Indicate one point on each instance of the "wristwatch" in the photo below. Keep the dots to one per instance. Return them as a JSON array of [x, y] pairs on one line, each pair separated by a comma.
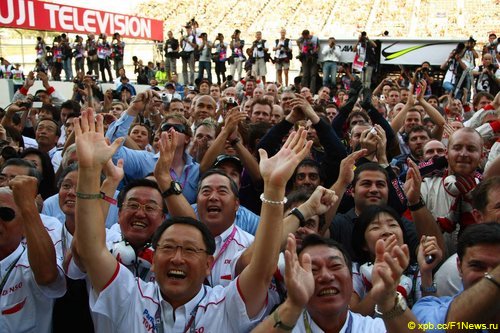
[[398, 309], [175, 188], [279, 324], [295, 211], [429, 290]]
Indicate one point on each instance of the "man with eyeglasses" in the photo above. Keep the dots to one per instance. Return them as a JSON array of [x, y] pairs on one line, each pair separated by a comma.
[[179, 301], [138, 164], [30, 276]]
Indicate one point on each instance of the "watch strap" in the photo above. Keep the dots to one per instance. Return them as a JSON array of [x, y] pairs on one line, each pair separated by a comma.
[[279, 324], [417, 206], [295, 211], [173, 189]]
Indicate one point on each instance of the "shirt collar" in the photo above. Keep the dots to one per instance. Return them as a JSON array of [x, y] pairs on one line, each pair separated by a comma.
[[183, 311], [222, 237]]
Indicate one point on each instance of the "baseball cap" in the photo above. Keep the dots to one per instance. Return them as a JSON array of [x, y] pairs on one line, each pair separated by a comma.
[[228, 158]]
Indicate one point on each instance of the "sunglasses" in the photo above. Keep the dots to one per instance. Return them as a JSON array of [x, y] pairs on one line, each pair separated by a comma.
[[179, 128], [7, 214]]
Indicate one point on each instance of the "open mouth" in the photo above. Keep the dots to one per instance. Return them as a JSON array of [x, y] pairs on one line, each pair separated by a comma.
[[328, 292], [139, 225], [176, 274], [213, 209]]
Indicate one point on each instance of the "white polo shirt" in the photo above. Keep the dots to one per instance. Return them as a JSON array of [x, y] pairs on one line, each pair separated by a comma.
[[354, 323], [25, 306], [136, 306], [227, 246]]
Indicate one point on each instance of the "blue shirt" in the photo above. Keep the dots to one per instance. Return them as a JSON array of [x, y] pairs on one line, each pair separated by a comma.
[[245, 219], [433, 310], [140, 163]]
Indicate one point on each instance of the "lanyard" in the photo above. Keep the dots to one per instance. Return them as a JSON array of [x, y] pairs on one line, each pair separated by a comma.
[[174, 176], [228, 240], [308, 326], [189, 326], [9, 270]]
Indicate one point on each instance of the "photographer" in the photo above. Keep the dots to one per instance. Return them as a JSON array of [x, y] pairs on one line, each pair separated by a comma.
[[79, 54], [259, 53], [424, 73], [67, 56], [92, 60], [309, 48], [40, 49], [205, 63], [171, 54], [331, 56], [220, 57], [237, 57], [454, 67], [365, 54], [117, 52], [487, 76], [188, 43], [282, 57], [103, 53], [492, 46]]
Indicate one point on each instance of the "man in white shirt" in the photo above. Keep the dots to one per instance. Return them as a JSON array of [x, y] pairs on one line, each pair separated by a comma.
[[331, 56], [31, 278], [178, 301]]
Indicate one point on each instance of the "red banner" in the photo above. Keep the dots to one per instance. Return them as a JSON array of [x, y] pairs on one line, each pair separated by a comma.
[[38, 15]]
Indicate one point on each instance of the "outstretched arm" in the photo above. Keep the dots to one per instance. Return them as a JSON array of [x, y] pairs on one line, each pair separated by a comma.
[[41, 252], [93, 152], [276, 171]]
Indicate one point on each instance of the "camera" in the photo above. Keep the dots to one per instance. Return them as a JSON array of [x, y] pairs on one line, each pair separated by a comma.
[[166, 97], [231, 102]]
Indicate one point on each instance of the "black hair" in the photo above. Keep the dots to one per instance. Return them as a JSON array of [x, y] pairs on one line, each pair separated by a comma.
[[480, 193], [215, 171], [208, 239], [141, 182], [72, 105], [370, 166], [16, 161], [310, 163], [54, 111], [368, 215], [478, 234], [58, 127], [313, 240], [419, 128], [47, 186], [65, 172]]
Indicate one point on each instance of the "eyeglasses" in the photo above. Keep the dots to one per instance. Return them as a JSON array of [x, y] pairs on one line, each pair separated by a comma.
[[148, 208], [186, 251], [179, 128], [7, 214]]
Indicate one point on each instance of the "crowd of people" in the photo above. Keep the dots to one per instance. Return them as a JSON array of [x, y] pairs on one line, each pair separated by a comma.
[[233, 204]]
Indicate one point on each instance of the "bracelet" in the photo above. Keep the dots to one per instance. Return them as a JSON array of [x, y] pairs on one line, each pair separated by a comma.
[[271, 202], [100, 195], [490, 278], [417, 206], [429, 290]]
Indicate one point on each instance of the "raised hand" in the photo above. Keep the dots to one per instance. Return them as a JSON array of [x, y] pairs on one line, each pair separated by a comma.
[[320, 201], [428, 247], [278, 169], [413, 182], [347, 165], [300, 103], [166, 147], [387, 271], [24, 190], [113, 172], [92, 149], [298, 275]]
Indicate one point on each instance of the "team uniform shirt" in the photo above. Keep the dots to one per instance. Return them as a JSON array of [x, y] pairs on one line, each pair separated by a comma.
[[354, 323], [25, 306], [447, 278], [227, 246], [136, 306], [245, 219]]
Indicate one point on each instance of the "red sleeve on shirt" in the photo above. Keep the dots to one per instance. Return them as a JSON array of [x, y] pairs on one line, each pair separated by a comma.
[[50, 90], [113, 276]]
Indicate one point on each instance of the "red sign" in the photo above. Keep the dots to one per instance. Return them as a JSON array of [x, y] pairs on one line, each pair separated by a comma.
[[38, 15]]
